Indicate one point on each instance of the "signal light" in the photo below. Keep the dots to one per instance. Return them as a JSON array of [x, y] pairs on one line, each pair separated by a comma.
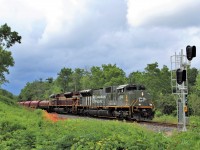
[[185, 108], [180, 76], [186, 100], [191, 52]]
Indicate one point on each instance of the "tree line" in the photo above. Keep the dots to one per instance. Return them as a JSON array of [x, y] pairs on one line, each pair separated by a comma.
[[156, 80]]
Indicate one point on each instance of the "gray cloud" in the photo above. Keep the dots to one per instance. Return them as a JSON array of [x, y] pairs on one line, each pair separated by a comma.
[[98, 36], [184, 17]]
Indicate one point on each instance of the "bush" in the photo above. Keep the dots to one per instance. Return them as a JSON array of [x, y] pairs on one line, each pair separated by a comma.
[[158, 113]]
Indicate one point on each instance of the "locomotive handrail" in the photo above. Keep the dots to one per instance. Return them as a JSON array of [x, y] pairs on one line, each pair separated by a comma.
[[134, 102]]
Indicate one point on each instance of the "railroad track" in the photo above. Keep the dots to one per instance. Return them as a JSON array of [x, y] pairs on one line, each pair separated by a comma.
[[166, 128], [153, 123]]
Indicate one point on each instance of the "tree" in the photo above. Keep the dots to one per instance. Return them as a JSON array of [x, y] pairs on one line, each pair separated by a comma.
[[7, 39], [194, 103], [86, 80], [192, 74], [152, 79], [6, 61], [76, 77], [38, 89], [197, 84], [106, 75], [64, 78], [97, 77], [113, 75], [50, 80], [167, 104], [136, 78], [165, 80]]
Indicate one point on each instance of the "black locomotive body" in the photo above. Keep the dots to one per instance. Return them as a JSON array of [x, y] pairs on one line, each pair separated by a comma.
[[123, 102]]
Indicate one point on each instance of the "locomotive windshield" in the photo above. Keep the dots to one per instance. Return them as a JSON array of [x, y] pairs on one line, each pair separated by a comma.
[[131, 87]]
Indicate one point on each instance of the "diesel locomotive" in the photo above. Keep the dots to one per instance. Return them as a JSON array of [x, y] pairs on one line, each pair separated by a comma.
[[127, 101]]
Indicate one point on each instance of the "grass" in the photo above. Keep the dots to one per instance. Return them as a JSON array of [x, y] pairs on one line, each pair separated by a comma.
[[166, 119], [29, 129]]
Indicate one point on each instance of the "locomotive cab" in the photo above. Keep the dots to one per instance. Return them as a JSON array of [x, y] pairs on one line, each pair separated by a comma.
[[137, 99]]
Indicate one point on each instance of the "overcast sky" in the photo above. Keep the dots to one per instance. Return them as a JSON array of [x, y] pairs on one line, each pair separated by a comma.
[[85, 33]]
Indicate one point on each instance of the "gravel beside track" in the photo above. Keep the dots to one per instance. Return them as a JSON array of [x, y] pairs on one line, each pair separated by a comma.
[[165, 128], [67, 116]]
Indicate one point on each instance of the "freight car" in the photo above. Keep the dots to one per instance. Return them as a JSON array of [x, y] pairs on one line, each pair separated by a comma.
[[127, 101]]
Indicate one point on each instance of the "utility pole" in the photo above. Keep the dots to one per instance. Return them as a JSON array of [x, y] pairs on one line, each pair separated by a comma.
[[179, 82]]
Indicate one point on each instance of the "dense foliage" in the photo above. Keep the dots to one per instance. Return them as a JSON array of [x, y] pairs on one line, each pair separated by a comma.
[[73, 80], [22, 128]]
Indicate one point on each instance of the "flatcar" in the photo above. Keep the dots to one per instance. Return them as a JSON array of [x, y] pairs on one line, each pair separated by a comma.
[[127, 101]]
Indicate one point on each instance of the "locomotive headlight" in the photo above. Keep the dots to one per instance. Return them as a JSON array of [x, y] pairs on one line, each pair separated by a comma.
[[139, 104], [150, 104], [142, 94]]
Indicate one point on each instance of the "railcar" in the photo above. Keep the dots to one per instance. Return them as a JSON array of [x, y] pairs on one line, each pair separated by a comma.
[[127, 101]]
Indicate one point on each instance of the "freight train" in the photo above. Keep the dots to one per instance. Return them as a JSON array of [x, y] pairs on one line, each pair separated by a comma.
[[128, 101]]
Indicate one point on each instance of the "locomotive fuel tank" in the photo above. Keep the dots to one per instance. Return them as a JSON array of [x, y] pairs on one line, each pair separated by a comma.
[[100, 113], [59, 110]]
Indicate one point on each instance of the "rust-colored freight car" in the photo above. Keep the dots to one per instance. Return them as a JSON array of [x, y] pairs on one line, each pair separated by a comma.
[[21, 103], [34, 104], [44, 104], [27, 103]]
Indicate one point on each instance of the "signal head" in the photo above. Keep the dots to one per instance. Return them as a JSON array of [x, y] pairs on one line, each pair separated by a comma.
[[180, 76], [190, 52]]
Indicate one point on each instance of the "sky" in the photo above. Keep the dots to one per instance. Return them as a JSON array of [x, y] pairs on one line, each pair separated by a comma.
[[85, 33]]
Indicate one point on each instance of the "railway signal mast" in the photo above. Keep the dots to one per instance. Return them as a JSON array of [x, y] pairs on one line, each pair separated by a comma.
[[179, 82]]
